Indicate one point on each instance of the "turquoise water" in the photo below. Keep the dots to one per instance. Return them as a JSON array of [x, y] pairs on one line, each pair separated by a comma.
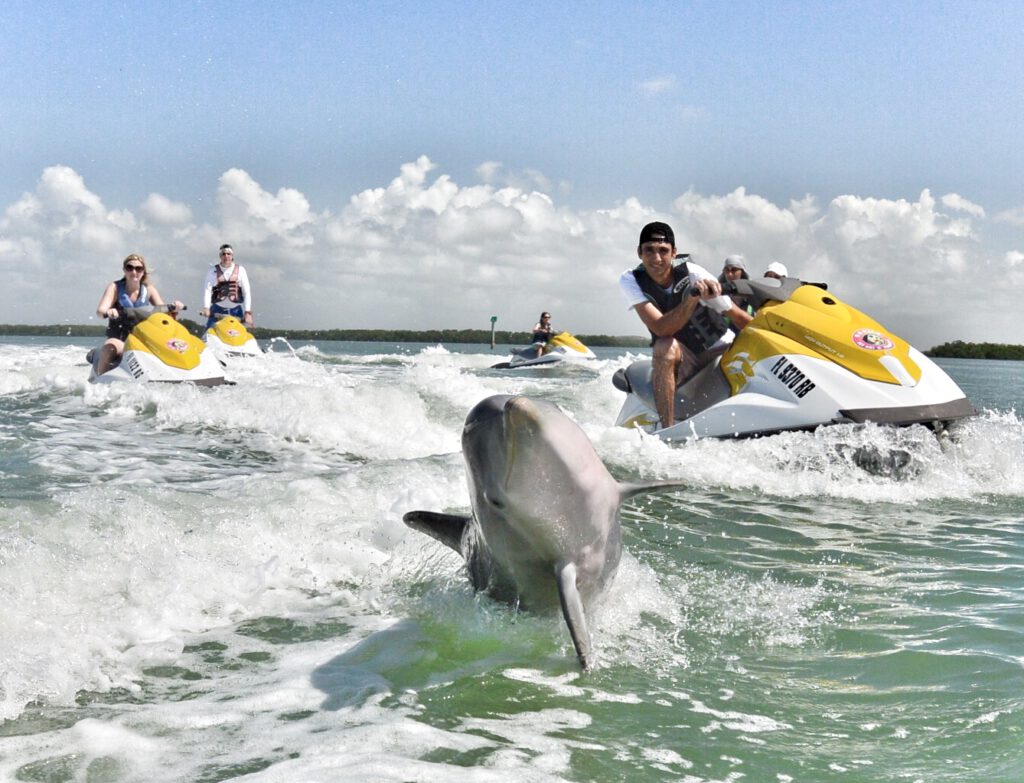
[[215, 584]]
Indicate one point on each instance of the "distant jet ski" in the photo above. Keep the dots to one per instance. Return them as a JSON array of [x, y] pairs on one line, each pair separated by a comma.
[[228, 338], [806, 359], [559, 348], [159, 349]]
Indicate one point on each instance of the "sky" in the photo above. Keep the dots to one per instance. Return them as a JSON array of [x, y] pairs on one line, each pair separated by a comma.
[[430, 165]]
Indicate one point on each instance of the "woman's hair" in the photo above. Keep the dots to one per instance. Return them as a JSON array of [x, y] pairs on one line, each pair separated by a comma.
[[139, 258]]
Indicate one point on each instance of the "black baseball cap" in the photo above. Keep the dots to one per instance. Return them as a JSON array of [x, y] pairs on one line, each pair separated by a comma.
[[657, 232]]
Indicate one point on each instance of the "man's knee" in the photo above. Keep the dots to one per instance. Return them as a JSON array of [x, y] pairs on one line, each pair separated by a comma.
[[667, 349]]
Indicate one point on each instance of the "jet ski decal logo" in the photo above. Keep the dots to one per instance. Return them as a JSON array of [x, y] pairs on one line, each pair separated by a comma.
[[871, 340], [233, 333], [178, 345], [824, 347], [741, 369], [792, 377]]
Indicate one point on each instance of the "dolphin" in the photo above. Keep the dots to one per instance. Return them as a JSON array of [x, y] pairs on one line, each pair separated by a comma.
[[545, 528]]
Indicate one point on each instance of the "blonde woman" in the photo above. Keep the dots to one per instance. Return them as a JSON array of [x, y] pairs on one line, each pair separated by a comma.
[[132, 290]]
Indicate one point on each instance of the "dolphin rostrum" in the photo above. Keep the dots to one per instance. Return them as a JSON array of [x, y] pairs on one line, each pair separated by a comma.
[[545, 526]]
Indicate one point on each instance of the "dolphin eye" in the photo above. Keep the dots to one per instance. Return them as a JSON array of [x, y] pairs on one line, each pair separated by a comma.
[[497, 503]]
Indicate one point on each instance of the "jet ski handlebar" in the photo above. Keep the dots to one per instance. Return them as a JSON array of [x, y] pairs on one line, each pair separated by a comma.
[[137, 314], [743, 287]]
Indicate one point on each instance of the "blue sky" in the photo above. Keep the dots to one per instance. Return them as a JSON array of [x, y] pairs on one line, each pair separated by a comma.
[[612, 111]]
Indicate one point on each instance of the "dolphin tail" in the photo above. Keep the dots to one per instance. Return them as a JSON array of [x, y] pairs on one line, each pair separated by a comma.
[[572, 611], [446, 528], [632, 489]]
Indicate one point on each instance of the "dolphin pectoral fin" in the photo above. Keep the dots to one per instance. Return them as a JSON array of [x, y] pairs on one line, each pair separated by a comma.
[[446, 528], [572, 610], [632, 489]]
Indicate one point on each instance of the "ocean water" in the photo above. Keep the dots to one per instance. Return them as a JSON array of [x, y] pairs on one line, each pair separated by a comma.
[[216, 584]]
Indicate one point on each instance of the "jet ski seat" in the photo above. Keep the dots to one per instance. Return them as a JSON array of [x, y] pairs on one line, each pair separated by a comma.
[[704, 389]]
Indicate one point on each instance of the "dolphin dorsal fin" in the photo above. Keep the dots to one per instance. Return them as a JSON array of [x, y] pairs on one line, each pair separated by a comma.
[[446, 528]]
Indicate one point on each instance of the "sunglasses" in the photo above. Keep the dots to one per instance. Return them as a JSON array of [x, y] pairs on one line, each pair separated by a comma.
[[132, 268]]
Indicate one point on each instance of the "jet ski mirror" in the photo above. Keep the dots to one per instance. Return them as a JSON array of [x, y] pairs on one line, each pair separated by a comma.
[[760, 290]]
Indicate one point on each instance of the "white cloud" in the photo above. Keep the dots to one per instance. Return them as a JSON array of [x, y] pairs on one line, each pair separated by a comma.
[[737, 215], [658, 85], [161, 209], [494, 173], [63, 190], [54, 234], [1014, 217], [247, 211], [405, 191], [691, 113], [957, 202], [488, 171], [426, 252], [900, 256]]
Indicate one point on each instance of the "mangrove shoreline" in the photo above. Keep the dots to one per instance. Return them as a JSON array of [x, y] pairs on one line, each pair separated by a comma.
[[344, 335], [957, 349]]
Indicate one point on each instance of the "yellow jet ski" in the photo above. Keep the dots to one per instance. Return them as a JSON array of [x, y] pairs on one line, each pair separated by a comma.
[[159, 349], [559, 348], [806, 359], [228, 338]]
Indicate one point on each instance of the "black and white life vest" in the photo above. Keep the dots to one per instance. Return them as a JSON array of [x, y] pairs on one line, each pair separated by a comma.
[[705, 326]]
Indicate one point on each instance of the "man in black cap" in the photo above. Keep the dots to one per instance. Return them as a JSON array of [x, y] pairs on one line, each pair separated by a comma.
[[687, 332]]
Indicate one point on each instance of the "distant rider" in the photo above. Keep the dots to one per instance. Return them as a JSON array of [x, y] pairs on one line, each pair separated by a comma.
[[227, 290], [132, 290], [687, 332], [542, 332]]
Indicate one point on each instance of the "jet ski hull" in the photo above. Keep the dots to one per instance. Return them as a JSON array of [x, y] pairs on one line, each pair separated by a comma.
[[561, 347], [161, 350], [228, 339]]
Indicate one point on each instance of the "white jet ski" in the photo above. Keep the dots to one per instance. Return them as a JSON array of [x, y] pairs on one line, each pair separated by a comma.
[[228, 338], [159, 349], [559, 348], [805, 360]]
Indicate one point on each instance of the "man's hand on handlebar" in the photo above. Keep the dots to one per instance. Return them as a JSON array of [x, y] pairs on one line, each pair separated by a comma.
[[707, 288]]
